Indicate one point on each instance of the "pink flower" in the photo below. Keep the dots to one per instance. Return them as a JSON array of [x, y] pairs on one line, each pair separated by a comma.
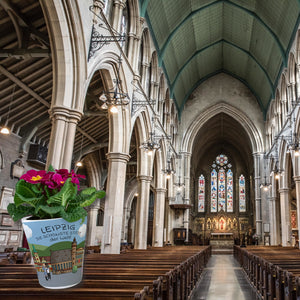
[[33, 176]]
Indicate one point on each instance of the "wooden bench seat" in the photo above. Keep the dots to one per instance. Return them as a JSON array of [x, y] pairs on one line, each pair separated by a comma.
[[274, 271], [135, 274]]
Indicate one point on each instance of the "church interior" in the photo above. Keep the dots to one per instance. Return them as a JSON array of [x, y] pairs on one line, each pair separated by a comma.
[[186, 113]]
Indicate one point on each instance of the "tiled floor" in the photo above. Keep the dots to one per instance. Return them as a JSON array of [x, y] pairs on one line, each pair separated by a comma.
[[223, 279]]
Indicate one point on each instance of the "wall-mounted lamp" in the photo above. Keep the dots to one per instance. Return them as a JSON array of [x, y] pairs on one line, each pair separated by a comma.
[[169, 171]]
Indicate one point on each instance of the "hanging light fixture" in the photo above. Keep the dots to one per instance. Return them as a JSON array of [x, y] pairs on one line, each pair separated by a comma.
[[116, 96], [265, 185], [5, 129], [169, 170], [151, 144], [294, 145], [79, 162], [180, 185]]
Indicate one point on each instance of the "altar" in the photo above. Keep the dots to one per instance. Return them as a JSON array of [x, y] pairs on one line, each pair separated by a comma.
[[221, 240]]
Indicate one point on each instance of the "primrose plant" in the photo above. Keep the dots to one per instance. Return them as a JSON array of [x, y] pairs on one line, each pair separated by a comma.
[[52, 194]]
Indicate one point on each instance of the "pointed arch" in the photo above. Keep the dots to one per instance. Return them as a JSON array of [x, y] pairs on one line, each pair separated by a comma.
[[251, 130]]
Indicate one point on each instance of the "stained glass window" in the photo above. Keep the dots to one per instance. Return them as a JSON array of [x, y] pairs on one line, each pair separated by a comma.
[[242, 195], [221, 190], [229, 191], [213, 193], [201, 194], [221, 196]]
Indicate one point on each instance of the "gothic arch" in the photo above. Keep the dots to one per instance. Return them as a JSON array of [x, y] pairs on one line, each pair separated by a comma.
[[120, 122], [253, 133], [68, 53]]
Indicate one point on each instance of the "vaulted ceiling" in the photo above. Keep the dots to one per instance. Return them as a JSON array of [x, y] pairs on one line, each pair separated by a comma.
[[248, 39]]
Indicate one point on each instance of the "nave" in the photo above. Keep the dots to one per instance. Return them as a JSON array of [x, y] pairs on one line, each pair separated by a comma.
[[223, 279]]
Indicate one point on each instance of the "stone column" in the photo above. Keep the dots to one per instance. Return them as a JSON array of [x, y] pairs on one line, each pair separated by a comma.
[[132, 228], [186, 165], [114, 202], [285, 216], [297, 182], [298, 80], [142, 208], [132, 45], [158, 218], [60, 150], [169, 211], [145, 67], [117, 14], [92, 220], [125, 225], [274, 225], [258, 220]]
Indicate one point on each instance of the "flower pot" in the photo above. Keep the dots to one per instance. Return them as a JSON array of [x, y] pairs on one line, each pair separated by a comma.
[[57, 248]]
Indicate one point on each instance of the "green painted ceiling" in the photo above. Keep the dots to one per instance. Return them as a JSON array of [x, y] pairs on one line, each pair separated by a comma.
[[248, 39]]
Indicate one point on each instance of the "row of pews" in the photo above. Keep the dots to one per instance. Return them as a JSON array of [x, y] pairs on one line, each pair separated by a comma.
[[157, 273], [274, 271]]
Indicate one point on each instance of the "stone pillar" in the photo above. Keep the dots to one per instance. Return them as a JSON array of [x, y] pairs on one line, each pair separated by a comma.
[[142, 208], [169, 211], [258, 220], [274, 226], [186, 165], [125, 225], [60, 150], [114, 202], [132, 228], [92, 220], [158, 219], [132, 45], [297, 182], [285, 216], [283, 109], [145, 67], [298, 80], [117, 14]]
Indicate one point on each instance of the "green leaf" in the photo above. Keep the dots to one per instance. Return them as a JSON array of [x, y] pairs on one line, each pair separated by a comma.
[[19, 199], [25, 189], [67, 193], [20, 212], [51, 169], [90, 200], [74, 215], [88, 191], [36, 188], [51, 210]]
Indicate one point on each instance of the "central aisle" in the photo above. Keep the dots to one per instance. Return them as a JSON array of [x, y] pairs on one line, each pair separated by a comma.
[[223, 279]]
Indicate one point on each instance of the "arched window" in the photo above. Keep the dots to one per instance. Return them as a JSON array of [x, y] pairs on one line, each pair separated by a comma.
[[242, 194], [201, 194], [229, 191], [213, 191], [221, 196]]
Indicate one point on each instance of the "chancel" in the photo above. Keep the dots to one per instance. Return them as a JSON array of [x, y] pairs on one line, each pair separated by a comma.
[[187, 114]]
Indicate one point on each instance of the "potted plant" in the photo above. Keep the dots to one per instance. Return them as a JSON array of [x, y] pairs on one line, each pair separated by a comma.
[[52, 208]]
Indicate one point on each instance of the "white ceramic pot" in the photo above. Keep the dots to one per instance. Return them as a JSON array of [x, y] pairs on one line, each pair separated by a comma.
[[57, 248]]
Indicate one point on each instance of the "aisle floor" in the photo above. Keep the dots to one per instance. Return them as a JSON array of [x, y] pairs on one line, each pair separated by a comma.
[[224, 279]]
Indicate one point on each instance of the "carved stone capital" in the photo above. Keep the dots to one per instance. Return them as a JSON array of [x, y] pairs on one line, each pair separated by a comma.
[[66, 114], [144, 178], [118, 156], [160, 190]]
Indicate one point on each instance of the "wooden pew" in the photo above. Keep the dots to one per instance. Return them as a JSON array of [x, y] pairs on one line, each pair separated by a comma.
[[274, 271], [159, 273]]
